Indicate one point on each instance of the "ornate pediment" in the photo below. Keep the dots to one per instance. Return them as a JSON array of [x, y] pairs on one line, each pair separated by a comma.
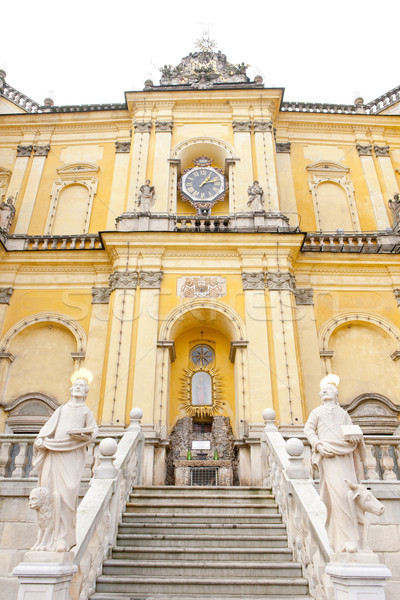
[[78, 170], [374, 413], [327, 168]]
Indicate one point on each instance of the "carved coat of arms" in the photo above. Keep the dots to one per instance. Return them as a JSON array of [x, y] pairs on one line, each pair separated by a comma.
[[202, 287]]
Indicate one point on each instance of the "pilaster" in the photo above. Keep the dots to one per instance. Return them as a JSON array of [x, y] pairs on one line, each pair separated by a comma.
[[140, 151], [161, 167], [23, 154], [119, 182], [243, 169], [266, 167], [286, 188], [385, 164], [371, 179], [29, 199]]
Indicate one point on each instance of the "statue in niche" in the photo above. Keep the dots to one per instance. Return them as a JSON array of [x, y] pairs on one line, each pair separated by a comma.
[[338, 450], [7, 213], [256, 197], [146, 197], [59, 457], [394, 206]]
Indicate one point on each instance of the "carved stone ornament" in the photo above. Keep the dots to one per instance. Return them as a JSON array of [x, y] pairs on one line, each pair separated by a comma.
[[283, 147], [396, 293], [304, 296], [150, 279], [261, 126], [201, 287], [281, 281], [364, 150], [122, 147], [253, 281], [142, 127], [41, 150], [164, 126], [123, 280], [24, 150], [5, 295], [101, 295], [240, 126], [381, 150]]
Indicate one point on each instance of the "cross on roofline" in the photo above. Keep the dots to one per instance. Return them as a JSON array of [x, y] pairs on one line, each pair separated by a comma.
[[205, 43]]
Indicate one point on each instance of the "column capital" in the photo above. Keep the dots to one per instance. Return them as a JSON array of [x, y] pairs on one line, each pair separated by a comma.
[[24, 150], [150, 279], [101, 295], [281, 281], [364, 150], [283, 147], [5, 295], [142, 126], [304, 296], [240, 126], [381, 150], [123, 280], [396, 293], [261, 126], [253, 281], [122, 147], [41, 150], [164, 126]]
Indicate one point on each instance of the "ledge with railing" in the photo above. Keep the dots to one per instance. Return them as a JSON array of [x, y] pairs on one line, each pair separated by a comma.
[[53, 242], [367, 243]]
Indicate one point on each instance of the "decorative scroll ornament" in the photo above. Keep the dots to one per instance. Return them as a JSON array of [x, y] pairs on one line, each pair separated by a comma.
[[122, 147], [261, 126], [364, 150], [101, 295], [142, 127], [281, 281], [123, 280], [164, 126], [396, 293], [253, 281], [41, 150], [381, 150], [303, 296], [201, 396], [203, 287], [5, 295], [150, 279], [24, 150], [283, 147], [240, 126]]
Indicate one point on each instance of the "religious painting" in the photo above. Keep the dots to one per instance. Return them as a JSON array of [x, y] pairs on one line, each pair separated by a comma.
[[201, 389]]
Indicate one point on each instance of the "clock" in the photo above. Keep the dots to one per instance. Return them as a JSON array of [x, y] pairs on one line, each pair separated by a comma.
[[203, 185]]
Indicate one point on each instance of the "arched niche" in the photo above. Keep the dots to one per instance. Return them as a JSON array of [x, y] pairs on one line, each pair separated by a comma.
[[374, 413], [71, 211], [29, 412]]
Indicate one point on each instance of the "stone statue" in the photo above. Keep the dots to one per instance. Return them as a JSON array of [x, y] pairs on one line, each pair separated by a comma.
[[256, 197], [394, 206], [338, 451], [146, 197], [7, 212], [59, 457]]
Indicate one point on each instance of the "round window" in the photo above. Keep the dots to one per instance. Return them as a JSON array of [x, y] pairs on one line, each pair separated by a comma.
[[202, 355]]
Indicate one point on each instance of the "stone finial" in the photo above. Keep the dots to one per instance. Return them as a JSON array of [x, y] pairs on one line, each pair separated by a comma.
[[24, 150], [142, 126], [261, 126], [269, 417], [136, 416], [304, 296], [101, 295], [258, 79], [381, 150], [106, 469], [253, 281], [41, 150], [364, 150], [283, 147], [148, 84], [5, 295], [122, 147], [150, 279], [123, 280], [295, 450], [359, 104], [241, 126], [48, 102], [164, 126], [281, 281]]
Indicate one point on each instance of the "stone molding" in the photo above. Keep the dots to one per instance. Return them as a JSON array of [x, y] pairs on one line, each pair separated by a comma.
[[381, 150], [122, 147], [283, 147], [253, 281], [261, 126], [364, 150], [142, 127], [123, 280], [396, 293], [164, 126], [150, 279], [304, 296], [101, 295], [41, 150], [5, 295], [24, 150], [240, 126], [281, 281]]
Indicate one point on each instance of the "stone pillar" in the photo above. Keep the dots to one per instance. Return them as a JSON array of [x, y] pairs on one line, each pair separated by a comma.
[[162, 152], [284, 173], [29, 199], [230, 164], [146, 345], [119, 182], [174, 171], [358, 580], [45, 575], [243, 169], [388, 174], [6, 358], [266, 167], [139, 161], [123, 287], [21, 162], [371, 179], [308, 346], [287, 369], [165, 356], [258, 354]]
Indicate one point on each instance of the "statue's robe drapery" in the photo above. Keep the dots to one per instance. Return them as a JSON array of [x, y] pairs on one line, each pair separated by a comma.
[[61, 460], [325, 425]]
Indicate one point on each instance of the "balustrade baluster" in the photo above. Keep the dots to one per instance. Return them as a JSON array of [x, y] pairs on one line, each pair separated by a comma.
[[370, 463], [4, 458], [35, 245], [387, 464], [20, 461]]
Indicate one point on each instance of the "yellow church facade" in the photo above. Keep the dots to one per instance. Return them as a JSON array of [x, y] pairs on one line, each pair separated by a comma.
[[196, 301]]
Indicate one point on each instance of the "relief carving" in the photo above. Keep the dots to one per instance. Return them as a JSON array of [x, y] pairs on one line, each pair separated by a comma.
[[7, 213], [253, 281], [202, 287], [164, 126], [41, 150], [304, 296], [283, 147], [150, 279], [123, 280], [122, 147], [5, 295], [281, 281], [101, 295], [261, 126], [396, 293], [24, 150], [239, 126], [381, 150], [143, 127], [364, 150]]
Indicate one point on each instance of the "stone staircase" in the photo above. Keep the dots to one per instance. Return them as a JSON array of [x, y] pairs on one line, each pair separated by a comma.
[[213, 543]]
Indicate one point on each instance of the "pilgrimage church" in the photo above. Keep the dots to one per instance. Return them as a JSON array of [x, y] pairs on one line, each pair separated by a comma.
[[208, 250]]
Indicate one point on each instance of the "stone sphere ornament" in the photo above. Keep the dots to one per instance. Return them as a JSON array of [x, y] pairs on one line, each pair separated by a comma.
[[108, 447]]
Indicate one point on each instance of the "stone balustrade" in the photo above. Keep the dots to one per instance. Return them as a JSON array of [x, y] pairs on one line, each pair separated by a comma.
[[54, 242], [20, 99], [189, 224], [337, 242]]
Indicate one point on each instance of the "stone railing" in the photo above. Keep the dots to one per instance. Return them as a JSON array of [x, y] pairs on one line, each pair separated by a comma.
[[19, 99], [336, 242], [302, 509], [54, 242], [189, 224], [101, 509], [318, 107]]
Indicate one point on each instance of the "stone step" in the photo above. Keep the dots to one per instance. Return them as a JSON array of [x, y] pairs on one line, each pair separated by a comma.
[[221, 517], [283, 586], [203, 540], [200, 568], [204, 501], [164, 490], [186, 596], [195, 528], [194, 496], [208, 554], [198, 509]]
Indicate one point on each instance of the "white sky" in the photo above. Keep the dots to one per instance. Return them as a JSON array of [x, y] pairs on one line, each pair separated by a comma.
[[91, 51]]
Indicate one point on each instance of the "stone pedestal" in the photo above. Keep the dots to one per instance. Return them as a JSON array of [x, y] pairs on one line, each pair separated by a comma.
[[45, 575], [358, 577]]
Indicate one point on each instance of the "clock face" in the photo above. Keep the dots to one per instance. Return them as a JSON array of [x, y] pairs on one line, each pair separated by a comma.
[[203, 184]]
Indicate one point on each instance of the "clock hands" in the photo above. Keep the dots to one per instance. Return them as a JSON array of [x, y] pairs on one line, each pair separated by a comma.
[[205, 181]]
